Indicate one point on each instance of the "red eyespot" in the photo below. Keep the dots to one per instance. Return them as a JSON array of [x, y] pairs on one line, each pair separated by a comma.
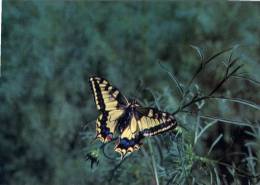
[[109, 137]]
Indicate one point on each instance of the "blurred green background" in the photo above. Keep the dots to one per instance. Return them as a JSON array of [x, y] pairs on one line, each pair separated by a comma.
[[50, 49]]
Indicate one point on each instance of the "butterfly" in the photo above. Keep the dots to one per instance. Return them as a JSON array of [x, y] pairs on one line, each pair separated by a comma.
[[131, 121]]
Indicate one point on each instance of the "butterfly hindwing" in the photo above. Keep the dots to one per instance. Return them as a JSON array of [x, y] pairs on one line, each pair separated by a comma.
[[130, 138], [144, 122]]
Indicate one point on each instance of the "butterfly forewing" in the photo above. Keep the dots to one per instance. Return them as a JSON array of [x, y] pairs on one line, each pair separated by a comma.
[[106, 96]]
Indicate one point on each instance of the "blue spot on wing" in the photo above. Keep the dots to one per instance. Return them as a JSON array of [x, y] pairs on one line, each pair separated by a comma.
[[125, 143], [105, 131]]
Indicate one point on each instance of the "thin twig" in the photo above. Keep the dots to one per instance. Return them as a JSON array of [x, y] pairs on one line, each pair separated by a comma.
[[214, 143], [154, 97], [203, 130], [172, 77], [225, 78], [182, 160], [241, 172], [203, 64], [238, 100], [238, 123], [247, 78], [198, 51]]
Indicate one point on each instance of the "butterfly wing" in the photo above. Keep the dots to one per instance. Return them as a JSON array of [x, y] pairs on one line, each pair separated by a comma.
[[106, 124], [111, 104], [106, 96], [144, 122], [151, 121], [130, 138]]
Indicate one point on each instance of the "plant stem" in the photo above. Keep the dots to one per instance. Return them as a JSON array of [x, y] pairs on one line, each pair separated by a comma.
[[153, 161]]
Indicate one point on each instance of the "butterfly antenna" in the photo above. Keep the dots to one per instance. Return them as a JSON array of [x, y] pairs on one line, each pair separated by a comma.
[[126, 99]]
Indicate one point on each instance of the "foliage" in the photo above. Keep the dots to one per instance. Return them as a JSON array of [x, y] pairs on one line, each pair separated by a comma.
[[47, 112]]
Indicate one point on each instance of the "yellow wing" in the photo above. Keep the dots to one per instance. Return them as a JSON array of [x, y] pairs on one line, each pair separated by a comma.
[[144, 122], [153, 121], [130, 139], [106, 124], [110, 102], [106, 96]]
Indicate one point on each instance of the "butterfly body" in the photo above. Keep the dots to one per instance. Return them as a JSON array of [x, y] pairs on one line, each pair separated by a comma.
[[129, 113], [128, 119]]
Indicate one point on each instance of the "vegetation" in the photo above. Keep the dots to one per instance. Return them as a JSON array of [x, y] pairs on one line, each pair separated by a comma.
[[197, 61]]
